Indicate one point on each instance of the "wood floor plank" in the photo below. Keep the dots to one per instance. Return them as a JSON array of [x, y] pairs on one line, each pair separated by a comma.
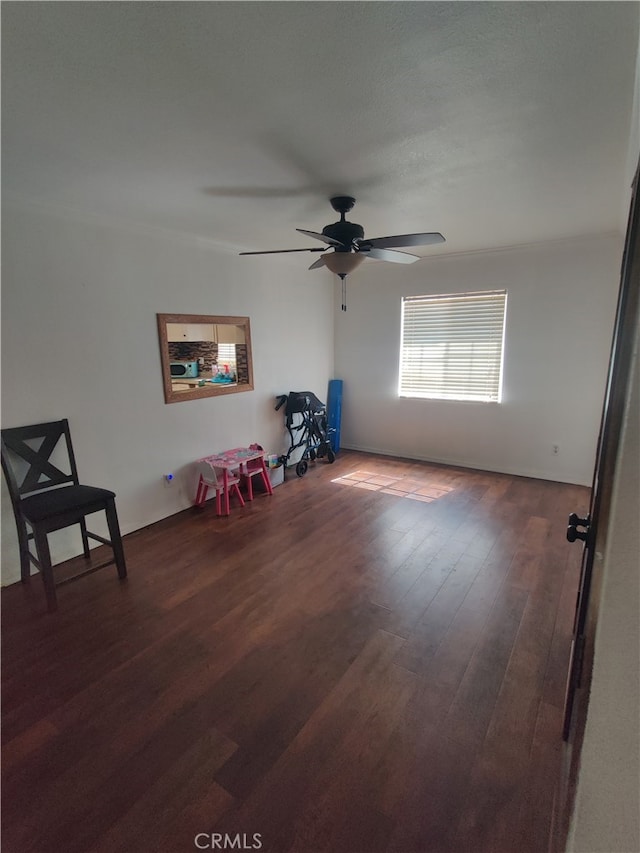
[[452, 576], [456, 648], [473, 707], [337, 742], [436, 786]]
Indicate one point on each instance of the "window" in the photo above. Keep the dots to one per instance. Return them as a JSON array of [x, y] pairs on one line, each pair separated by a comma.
[[227, 357], [451, 346]]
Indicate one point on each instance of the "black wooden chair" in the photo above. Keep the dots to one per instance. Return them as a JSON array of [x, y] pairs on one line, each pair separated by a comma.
[[47, 497]]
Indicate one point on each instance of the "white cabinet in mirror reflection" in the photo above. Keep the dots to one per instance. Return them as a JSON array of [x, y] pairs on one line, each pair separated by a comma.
[[219, 333], [228, 334], [190, 332]]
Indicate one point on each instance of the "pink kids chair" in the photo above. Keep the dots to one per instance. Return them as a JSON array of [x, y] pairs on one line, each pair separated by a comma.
[[213, 478], [255, 468]]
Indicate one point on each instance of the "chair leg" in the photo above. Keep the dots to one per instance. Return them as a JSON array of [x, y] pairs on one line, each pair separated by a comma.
[[85, 539], [267, 483], [235, 488], [23, 544], [265, 478], [201, 493], [249, 481], [46, 570], [116, 538], [225, 491]]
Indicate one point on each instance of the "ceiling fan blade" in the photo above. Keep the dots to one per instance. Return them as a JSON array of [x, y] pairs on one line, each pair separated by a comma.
[[317, 264], [282, 251], [428, 239], [389, 255], [322, 237]]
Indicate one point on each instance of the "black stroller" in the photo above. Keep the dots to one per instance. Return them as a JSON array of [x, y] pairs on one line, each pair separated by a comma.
[[306, 421]]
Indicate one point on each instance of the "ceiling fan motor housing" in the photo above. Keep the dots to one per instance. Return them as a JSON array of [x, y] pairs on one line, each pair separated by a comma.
[[345, 232]]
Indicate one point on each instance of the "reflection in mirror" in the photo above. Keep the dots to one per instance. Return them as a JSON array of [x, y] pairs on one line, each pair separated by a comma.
[[204, 355]]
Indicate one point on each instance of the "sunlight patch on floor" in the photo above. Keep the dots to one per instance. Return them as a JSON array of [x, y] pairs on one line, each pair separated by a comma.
[[401, 487]]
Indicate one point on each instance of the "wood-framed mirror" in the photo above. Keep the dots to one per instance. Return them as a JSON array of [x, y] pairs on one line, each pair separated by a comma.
[[204, 355]]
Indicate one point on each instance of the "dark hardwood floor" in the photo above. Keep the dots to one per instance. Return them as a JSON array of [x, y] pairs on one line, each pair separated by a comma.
[[373, 659]]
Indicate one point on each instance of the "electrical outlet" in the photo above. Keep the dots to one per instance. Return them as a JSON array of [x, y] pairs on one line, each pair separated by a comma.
[[556, 449]]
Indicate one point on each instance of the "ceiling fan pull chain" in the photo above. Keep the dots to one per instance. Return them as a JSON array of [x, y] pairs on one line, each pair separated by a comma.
[[344, 291]]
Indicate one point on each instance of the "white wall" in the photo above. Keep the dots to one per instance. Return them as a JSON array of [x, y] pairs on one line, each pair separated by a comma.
[[561, 308], [79, 340]]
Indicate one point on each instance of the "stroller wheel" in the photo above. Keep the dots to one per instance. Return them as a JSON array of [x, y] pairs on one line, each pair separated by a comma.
[[301, 468], [331, 456]]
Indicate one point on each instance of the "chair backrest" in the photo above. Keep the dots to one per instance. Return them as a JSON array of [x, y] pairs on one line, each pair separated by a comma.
[[254, 466], [210, 475], [27, 458]]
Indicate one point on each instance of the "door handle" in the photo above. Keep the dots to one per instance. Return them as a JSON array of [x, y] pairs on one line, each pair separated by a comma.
[[573, 534], [572, 530], [576, 521]]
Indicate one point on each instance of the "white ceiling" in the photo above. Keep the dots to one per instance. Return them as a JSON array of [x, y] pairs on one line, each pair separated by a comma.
[[494, 123]]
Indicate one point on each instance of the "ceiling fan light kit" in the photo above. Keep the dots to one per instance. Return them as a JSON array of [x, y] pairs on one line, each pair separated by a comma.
[[343, 263], [350, 248]]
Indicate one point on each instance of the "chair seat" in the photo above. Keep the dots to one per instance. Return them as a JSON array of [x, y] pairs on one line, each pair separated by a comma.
[[48, 504]]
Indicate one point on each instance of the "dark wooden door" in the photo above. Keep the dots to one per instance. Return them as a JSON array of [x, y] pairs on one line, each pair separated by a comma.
[[592, 530]]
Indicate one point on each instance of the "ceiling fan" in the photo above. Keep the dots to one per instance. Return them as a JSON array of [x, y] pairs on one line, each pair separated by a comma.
[[350, 247]]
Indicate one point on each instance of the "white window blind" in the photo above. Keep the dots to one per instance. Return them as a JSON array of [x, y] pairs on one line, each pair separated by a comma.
[[227, 355], [451, 346]]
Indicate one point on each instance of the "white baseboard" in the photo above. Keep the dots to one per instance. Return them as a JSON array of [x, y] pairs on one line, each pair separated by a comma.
[[533, 473]]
